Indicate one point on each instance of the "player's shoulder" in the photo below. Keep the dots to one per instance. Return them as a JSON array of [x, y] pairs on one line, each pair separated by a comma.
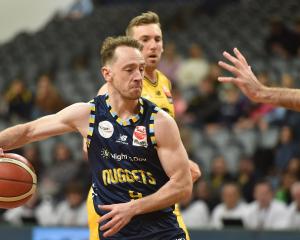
[[163, 118], [161, 76], [163, 79]]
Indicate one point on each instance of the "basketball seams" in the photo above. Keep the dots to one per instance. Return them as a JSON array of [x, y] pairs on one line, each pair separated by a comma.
[[21, 164]]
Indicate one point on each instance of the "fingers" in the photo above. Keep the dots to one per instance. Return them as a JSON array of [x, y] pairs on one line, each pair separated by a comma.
[[116, 228], [106, 207], [229, 68], [109, 224], [240, 56], [106, 216], [226, 79]]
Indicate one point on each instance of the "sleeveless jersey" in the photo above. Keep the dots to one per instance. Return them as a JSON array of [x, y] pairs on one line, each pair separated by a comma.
[[159, 92], [125, 166]]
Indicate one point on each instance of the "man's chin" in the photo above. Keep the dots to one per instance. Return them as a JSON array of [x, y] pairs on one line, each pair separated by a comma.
[[152, 63]]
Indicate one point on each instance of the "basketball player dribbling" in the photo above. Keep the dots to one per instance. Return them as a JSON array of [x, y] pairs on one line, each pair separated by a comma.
[[146, 29], [134, 149]]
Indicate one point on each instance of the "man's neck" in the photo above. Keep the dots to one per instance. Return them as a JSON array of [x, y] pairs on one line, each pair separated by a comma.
[[150, 74], [124, 108]]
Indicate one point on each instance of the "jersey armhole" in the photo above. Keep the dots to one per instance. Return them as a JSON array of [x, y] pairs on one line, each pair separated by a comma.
[[151, 126], [91, 122]]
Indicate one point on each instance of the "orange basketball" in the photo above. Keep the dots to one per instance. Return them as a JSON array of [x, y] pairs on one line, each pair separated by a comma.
[[17, 180]]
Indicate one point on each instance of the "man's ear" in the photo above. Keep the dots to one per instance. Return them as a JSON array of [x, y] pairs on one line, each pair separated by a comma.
[[106, 72]]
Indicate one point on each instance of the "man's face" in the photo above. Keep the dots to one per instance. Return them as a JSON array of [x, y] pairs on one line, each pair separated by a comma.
[[150, 36], [230, 196], [126, 72], [263, 195]]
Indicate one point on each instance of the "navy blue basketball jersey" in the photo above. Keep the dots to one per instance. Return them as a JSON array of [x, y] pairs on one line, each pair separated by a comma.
[[125, 166]]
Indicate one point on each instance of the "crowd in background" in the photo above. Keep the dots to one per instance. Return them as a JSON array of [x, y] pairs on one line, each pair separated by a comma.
[[249, 153]]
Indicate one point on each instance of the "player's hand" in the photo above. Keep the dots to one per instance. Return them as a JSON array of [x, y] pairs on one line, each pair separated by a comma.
[[118, 215], [243, 75], [1, 152], [195, 170]]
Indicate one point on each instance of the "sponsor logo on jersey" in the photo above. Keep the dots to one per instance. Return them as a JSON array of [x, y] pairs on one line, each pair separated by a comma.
[[168, 94], [106, 154], [122, 139], [106, 129], [140, 136]]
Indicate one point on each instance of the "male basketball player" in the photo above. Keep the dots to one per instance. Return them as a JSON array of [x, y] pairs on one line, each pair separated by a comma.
[[146, 29], [134, 149], [255, 90]]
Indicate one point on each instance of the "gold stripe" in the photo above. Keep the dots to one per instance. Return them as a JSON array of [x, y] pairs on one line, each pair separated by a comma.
[[180, 221], [30, 171]]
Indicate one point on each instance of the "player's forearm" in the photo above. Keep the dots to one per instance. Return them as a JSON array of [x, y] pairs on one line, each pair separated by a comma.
[[14, 137], [169, 194], [283, 97]]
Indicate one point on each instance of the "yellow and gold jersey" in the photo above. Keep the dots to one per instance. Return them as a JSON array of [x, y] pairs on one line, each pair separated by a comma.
[[159, 92]]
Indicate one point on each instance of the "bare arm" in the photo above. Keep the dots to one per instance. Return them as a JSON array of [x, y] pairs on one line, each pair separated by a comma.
[[195, 171], [174, 160], [252, 88], [101, 91], [175, 163], [72, 118]]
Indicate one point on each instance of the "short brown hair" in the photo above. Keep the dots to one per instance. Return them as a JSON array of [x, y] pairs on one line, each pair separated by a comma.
[[143, 19], [111, 43]]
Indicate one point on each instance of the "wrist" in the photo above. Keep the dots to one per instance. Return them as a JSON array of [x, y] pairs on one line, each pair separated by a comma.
[[135, 207]]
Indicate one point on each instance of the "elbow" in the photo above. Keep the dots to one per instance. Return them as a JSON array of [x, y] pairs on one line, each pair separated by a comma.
[[185, 191]]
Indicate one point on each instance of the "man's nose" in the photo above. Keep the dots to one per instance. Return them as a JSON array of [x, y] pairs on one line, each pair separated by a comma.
[[153, 44]]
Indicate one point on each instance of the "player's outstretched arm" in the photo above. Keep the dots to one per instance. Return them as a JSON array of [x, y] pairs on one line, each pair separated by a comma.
[[174, 160], [72, 118], [244, 78]]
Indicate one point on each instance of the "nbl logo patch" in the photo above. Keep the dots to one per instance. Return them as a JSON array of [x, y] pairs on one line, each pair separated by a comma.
[[140, 136]]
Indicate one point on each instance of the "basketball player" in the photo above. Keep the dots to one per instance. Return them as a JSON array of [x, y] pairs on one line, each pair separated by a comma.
[[134, 149], [146, 29], [252, 88]]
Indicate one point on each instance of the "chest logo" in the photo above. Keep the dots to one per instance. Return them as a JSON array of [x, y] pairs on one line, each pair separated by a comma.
[[122, 139], [106, 129], [140, 136]]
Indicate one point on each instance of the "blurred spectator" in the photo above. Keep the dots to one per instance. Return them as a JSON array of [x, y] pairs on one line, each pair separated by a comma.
[[63, 170], [202, 192], [195, 212], [246, 178], [266, 212], [294, 167], [204, 108], [232, 106], [170, 61], [294, 208], [33, 212], [193, 69], [281, 41], [19, 100], [180, 104], [231, 207], [283, 194], [33, 154], [47, 99], [72, 211], [286, 148], [218, 177]]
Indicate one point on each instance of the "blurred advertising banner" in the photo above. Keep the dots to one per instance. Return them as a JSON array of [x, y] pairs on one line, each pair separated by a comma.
[[60, 233]]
